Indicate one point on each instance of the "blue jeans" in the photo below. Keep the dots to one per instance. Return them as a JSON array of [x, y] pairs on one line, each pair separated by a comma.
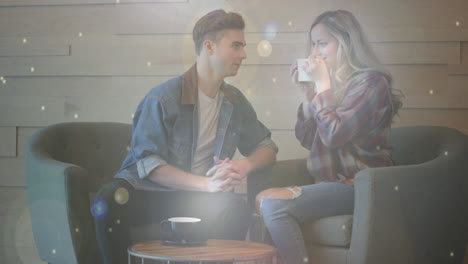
[[283, 216]]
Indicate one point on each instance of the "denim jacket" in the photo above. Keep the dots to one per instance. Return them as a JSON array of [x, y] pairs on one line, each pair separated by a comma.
[[165, 129]]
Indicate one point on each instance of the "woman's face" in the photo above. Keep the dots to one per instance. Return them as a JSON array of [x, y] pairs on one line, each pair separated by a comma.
[[323, 44]]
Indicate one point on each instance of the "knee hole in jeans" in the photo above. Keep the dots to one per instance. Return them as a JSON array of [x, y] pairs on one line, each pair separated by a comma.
[[295, 192]]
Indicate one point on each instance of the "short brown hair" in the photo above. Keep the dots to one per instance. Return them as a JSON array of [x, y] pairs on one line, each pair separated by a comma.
[[211, 24]]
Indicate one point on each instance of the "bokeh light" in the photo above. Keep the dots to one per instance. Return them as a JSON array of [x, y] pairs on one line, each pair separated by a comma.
[[264, 48], [121, 195], [270, 31], [99, 208]]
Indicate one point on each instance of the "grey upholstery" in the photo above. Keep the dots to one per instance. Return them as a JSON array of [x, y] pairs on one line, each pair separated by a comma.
[[412, 213], [423, 221], [65, 165]]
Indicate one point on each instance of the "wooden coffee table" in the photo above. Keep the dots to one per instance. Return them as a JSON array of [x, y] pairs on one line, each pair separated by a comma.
[[215, 251]]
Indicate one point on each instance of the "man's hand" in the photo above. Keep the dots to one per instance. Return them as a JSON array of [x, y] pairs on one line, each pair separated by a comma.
[[234, 169], [226, 174], [226, 185]]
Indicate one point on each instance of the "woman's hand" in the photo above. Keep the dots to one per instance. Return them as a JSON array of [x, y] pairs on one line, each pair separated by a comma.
[[318, 70]]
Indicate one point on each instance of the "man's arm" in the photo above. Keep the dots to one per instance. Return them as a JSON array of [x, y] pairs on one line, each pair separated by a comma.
[[175, 178], [261, 158]]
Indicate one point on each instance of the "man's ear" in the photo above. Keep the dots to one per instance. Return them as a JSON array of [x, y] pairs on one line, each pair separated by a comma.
[[209, 46]]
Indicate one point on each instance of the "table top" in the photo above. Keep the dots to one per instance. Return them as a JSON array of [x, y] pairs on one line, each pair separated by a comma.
[[213, 250]]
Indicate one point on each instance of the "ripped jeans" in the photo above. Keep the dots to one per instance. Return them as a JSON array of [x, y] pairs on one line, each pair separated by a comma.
[[283, 216]]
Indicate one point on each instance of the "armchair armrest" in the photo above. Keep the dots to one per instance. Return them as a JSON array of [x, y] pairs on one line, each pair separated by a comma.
[[411, 214], [58, 200]]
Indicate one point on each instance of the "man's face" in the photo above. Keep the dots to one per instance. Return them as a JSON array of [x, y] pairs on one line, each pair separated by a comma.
[[228, 52]]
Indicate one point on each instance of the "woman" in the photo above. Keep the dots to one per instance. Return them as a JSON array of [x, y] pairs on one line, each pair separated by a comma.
[[344, 121]]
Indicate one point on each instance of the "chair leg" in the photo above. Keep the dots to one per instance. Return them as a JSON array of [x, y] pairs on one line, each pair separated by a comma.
[[258, 231]]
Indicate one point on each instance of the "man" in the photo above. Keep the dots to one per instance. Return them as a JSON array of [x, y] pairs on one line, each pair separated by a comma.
[[185, 132]]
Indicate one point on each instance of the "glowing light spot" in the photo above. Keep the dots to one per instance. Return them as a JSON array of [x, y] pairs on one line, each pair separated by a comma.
[[121, 195], [290, 23], [264, 48], [77, 230], [306, 260], [99, 208], [148, 64], [396, 188], [80, 34], [431, 92], [54, 251], [270, 31], [343, 227], [110, 229], [378, 147], [32, 69], [117, 1], [2, 78], [457, 23], [133, 115], [4, 81], [117, 221], [42, 108], [76, 116], [25, 40], [249, 92], [452, 254], [274, 80], [128, 148]]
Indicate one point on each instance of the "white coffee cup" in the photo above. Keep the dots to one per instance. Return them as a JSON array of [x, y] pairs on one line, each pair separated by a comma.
[[181, 229], [303, 76], [184, 219]]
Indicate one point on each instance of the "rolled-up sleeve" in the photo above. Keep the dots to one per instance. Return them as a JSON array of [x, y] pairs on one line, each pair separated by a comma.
[[150, 136], [254, 134], [305, 129], [267, 143]]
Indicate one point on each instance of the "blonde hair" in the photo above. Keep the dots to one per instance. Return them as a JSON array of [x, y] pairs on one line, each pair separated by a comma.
[[354, 54]]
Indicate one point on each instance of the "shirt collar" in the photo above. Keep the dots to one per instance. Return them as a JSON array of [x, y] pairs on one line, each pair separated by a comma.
[[190, 88]]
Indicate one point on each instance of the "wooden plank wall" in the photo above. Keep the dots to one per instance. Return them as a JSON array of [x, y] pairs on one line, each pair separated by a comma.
[[93, 60]]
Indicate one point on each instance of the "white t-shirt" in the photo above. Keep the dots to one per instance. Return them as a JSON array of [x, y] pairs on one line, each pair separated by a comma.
[[208, 115]]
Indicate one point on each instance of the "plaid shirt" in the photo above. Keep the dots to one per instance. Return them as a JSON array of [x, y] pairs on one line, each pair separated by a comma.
[[344, 138]]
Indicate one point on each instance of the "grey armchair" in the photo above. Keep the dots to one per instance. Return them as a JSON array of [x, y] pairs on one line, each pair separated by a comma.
[[412, 213], [65, 165]]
